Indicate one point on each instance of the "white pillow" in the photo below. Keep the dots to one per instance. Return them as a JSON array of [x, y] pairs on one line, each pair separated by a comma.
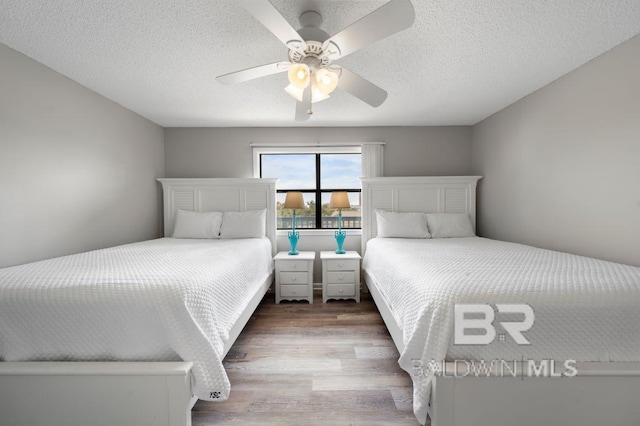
[[197, 225], [250, 224], [401, 225], [450, 225]]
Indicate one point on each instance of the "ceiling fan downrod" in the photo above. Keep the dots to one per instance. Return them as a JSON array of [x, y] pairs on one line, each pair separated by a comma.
[[310, 109]]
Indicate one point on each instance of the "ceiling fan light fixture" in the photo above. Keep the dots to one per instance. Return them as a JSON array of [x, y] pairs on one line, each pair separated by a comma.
[[317, 94], [299, 75], [326, 81]]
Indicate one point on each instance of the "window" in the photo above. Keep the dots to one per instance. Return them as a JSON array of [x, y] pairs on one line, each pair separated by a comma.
[[316, 175]]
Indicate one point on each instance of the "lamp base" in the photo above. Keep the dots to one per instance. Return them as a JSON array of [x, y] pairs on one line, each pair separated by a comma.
[[340, 237], [294, 236]]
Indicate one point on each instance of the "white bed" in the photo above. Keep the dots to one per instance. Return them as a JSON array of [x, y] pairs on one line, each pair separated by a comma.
[[585, 310], [170, 307]]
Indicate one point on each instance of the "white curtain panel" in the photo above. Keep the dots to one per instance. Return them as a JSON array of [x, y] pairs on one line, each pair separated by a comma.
[[372, 159]]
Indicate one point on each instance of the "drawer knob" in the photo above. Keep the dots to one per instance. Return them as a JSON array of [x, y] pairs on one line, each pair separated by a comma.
[[341, 290], [341, 265], [341, 278], [294, 291], [294, 279], [294, 266]]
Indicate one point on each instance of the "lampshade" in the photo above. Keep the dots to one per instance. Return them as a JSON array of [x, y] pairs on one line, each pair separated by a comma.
[[299, 75], [326, 81], [294, 200], [339, 200]]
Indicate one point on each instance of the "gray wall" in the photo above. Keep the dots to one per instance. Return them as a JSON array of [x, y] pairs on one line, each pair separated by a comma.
[[77, 171], [225, 152], [561, 167]]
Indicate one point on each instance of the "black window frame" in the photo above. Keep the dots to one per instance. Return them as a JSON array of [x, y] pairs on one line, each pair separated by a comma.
[[318, 191]]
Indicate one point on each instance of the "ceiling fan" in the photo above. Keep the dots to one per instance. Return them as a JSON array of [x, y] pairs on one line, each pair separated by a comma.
[[311, 71]]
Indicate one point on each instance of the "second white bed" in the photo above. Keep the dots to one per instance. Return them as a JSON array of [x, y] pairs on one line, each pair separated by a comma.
[[585, 309]]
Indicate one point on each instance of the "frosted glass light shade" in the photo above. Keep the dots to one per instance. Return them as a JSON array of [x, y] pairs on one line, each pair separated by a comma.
[[299, 75], [294, 91], [316, 95], [294, 200], [326, 81], [339, 200]]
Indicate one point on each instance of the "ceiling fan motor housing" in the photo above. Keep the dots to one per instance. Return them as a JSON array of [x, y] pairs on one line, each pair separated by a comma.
[[316, 55]]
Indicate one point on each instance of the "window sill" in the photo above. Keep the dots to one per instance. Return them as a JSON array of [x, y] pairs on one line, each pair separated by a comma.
[[318, 232]]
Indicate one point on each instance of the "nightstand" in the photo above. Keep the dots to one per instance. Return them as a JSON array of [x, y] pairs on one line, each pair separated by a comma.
[[294, 276], [340, 275]]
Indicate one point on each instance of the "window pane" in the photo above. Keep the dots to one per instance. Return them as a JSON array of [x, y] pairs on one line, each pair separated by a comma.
[[351, 217], [294, 171], [304, 218], [340, 171]]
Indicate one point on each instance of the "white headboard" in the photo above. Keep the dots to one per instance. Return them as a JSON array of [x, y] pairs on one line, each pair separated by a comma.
[[220, 194], [429, 194]]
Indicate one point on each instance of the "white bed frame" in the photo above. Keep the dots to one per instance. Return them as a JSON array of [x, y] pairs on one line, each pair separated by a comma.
[[132, 393], [601, 394]]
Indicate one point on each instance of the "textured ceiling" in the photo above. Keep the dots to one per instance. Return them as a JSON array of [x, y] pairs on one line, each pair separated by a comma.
[[461, 61]]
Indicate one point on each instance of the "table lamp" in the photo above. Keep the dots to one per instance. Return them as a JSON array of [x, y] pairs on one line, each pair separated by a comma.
[[294, 201], [340, 200]]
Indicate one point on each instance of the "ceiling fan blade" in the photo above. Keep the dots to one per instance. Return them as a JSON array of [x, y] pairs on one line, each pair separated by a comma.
[[252, 73], [387, 20], [269, 16], [361, 88], [302, 108]]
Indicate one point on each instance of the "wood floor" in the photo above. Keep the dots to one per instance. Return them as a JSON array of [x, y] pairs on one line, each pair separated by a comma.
[[320, 364]]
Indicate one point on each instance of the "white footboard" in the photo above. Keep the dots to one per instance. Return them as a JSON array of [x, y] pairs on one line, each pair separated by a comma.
[[95, 393], [601, 393]]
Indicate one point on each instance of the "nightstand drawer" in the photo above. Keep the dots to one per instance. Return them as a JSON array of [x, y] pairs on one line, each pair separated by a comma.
[[294, 290], [293, 278], [293, 265], [341, 277], [341, 290], [342, 265]]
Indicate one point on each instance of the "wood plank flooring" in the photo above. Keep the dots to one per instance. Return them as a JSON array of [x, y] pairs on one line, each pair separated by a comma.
[[320, 364]]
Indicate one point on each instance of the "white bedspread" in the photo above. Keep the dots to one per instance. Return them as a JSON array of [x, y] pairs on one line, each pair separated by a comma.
[[160, 300], [585, 309]]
